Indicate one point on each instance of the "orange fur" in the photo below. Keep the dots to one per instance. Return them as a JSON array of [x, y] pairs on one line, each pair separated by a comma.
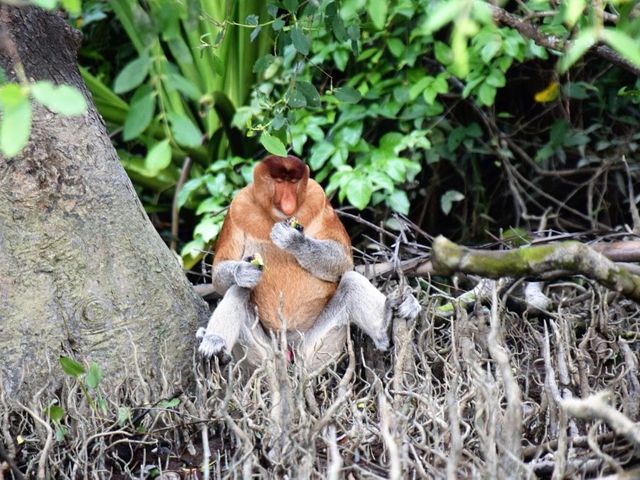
[[286, 291]]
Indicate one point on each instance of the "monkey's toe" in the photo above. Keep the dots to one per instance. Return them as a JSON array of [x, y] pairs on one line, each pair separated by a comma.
[[214, 346]]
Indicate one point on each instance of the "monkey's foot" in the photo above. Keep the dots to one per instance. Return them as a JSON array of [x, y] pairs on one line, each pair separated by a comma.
[[403, 305], [213, 346]]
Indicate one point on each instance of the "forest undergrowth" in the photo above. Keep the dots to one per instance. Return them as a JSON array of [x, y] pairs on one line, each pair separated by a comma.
[[495, 389]]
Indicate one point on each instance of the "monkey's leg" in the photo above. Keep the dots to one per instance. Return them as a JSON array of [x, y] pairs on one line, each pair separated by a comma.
[[226, 322], [234, 328], [356, 300]]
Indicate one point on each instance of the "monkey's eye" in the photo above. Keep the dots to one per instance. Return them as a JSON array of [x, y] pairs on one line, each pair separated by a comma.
[[279, 180]]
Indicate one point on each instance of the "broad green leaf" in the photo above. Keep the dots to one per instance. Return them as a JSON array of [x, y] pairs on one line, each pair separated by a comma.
[[296, 98], [74, 7], [15, 127], [185, 132], [140, 115], [252, 20], [399, 202], [347, 94], [443, 13], [320, 154], [132, 75], [448, 198], [310, 93], [583, 42], [94, 375], [124, 415], [71, 367], [300, 40], [159, 156], [188, 188], [55, 413], [263, 63], [46, 4], [186, 87], [63, 99], [359, 191], [622, 43], [291, 5], [208, 228], [486, 94], [273, 144], [174, 402], [572, 11], [377, 10]]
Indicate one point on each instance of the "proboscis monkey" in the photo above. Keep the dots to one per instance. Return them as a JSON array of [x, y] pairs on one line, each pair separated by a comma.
[[307, 281]]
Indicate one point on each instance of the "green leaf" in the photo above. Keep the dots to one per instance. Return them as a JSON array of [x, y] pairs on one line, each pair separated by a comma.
[[159, 156], [583, 42], [124, 415], [185, 132], [94, 376], [359, 191], [320, 154], [46, 4], [572, 11], [399, 201], [296, 98], [486, 94], [132, 75], [186, 87], [71, 367], [443, 13], [447, 199], [63, 99], [273, 144], [189, 188], [300, 40], [16, 119], [377, 10], [310, 93], [174, 402], [139, 115], [252, 20], [55, 413], [263, 63], [74, 7], [622, 43], [347, 94]]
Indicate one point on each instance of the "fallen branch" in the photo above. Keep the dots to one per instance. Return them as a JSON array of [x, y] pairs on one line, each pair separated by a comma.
[[533, 261]]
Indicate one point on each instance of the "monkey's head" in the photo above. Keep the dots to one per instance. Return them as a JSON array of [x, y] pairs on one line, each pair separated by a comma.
[[280, 185]]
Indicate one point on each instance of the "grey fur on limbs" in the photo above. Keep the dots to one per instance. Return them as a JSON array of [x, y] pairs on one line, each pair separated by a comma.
[[324, 259], [233, 272], [356, 300]]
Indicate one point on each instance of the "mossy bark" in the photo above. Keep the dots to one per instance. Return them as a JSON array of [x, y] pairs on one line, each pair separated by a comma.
[[82, 270], [532, 261]]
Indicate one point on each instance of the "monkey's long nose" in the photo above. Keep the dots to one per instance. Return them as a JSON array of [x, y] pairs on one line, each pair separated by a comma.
[[288, 203]]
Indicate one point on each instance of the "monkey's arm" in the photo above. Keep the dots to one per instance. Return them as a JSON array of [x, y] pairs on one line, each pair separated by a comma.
[[324, 259], [228, 268], [235, 272]]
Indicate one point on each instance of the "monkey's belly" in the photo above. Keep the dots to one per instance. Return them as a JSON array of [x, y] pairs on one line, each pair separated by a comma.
[[289, 293]]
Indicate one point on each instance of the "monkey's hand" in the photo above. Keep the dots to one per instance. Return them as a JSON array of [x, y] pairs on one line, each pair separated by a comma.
[[287, 236], [212, 345], [247, 273]]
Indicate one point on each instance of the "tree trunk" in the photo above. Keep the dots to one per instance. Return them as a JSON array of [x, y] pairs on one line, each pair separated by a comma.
[[83, 273]]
